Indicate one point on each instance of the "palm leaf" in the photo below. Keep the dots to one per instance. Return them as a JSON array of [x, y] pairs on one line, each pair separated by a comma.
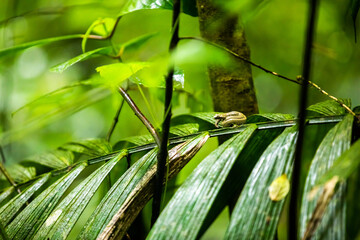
[[133, 185], [9, 210], [183, 216], [62, 219], [32, 217], [255, 214], [333, 145]]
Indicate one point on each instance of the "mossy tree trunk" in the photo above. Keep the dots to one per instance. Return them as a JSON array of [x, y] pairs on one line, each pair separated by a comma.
[[232, 89]]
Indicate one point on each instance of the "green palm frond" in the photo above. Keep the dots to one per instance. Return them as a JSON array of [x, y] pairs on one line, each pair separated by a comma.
[[258, 153]]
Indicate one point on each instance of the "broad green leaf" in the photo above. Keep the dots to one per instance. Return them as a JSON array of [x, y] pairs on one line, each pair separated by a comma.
[[5, 193], [117, 195], [345, 165], [133, 44], [135, 141], [265, 117], [188, 6], [328, 108], [154, 74], [114, 74], [205, 120], [19, 173], [13, 50], [255, 215], [332, 225], [63, 218], [54, 159], [105, 26], [131, 192], [25, 225], [10, 209], [94, 53], [184, 215], [184, 129], [91, 147]]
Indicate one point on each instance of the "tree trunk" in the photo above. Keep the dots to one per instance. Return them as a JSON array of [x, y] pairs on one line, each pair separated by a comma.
[[231, 89]]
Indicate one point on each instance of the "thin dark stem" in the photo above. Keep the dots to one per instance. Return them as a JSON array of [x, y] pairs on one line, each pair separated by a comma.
[[299, 80], [293, 211], [163, 152], [97, 37], [141, 116], [5, 172], [240, 57], [115, 121]]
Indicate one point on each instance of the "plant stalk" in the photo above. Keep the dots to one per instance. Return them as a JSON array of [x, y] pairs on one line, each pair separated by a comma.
[[163, 152], [293, 209], [139, 114]]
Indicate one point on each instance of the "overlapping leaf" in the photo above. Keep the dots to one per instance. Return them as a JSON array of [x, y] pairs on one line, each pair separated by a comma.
[[328, 108], [54, 159], [10, 209], [30, 219], [114, 74], [60, 222], [91, 147], [185, 213], [131, 185], [333, 145], [128, 46], [255, 214], [20, 173], [5, 193], [345, 165]]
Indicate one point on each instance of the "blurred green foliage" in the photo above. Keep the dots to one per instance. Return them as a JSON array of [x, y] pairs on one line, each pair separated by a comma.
[[274, 31]]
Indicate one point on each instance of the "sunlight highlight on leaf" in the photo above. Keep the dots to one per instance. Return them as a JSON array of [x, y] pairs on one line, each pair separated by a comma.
[[114, 74]]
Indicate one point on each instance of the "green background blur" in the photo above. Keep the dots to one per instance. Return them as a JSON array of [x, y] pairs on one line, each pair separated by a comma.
[[274, 31]]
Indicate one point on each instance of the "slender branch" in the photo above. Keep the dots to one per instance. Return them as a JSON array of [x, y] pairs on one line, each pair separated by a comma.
[[139, 114], [163, 152], [293, 209], [115, 121], [240, 57], [176, 140], [5, 172], [299, 80]]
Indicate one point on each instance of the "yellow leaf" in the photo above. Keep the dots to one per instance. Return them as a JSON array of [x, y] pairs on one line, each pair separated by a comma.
[[279, 188]]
